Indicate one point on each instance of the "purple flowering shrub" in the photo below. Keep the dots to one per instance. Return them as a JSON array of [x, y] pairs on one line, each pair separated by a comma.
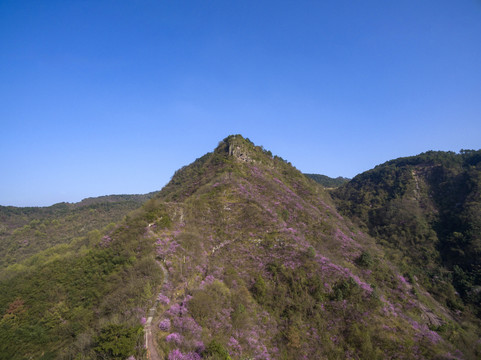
[[164, 325], [174, 337], [176, 354], [164, 300], [165, 247], [105, 241]]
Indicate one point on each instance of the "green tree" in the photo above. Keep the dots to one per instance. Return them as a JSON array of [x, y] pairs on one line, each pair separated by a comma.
[[118, 341]]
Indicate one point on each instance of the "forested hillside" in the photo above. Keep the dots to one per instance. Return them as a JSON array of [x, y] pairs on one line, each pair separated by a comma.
[[24, 231], [84, 298], [241, 256], [426, 210]]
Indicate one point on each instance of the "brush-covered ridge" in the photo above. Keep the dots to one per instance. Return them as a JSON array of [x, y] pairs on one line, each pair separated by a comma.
[[263, 266], [242, 257]]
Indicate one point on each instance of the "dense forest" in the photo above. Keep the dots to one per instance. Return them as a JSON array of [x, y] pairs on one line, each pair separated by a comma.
[[427, 210]]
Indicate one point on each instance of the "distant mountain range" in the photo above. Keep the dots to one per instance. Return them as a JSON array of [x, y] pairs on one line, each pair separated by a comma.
[[24, 231], [327, 181], [241, 256]]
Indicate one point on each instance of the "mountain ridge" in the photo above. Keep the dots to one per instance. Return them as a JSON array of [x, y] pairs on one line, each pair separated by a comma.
[[260, 265]]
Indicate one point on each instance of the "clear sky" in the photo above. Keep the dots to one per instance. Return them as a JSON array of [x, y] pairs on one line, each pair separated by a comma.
[[111, 97]]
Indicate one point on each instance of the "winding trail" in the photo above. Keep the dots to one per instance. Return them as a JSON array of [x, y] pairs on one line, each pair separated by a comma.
[[152, 353]]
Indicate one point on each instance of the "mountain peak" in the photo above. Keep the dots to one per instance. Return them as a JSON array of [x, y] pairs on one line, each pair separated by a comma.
[[233, 155], [248, 258], [238, 147]]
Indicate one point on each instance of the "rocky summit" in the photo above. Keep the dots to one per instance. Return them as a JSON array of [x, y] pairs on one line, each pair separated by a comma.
[[240, 256]]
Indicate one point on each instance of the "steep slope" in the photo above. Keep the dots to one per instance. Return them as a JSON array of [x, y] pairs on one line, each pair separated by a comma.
[[426, 210], [430, 203], [84, 298], [262, 266], [258, 264], [24, 231]]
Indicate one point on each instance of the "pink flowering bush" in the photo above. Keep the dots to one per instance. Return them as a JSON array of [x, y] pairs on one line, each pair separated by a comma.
[[199, 346], [164, 300], [166, 246], [105, 242], [174, 337], [176, 354], [186, 324], [177, 310], [234, 345], [164, 325]]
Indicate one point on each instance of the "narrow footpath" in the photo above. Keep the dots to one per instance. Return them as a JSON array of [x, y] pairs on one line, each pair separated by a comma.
[[152, 353]]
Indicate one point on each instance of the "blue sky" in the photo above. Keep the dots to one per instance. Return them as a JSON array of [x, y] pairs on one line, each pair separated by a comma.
[[108, 97]]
